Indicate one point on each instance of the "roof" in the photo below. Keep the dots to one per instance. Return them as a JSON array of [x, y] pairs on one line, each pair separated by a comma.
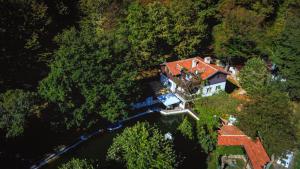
[[207, 69], [230, 135], [168, 99]]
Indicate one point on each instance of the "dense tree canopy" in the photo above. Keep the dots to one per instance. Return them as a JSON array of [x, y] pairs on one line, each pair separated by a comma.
[[76, 164], [142, 147], [87, 78], [254, 75], [23, 26], [285, 52], [269, 116], [15, 108]]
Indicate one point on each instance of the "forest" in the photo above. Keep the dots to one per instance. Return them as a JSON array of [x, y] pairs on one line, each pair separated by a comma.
[[71, 65]]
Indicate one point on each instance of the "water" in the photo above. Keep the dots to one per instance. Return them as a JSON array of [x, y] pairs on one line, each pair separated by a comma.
[[189, 154], [40, 139]]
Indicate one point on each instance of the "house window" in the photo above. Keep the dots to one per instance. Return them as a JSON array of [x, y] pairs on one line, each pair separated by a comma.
[[208, 90], [218, 87]]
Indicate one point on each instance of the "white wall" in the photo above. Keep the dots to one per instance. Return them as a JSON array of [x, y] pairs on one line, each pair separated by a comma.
[[166, 81], [213, 89]]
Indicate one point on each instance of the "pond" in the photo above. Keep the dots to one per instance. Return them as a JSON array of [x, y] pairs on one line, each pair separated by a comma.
[[41, 139], [189, 153]]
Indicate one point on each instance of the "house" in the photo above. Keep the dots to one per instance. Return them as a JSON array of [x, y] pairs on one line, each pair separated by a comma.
[[193, 76], [230, 135]]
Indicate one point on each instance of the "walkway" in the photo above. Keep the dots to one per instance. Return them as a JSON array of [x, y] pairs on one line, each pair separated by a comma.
[[178, 111], [115, 126]]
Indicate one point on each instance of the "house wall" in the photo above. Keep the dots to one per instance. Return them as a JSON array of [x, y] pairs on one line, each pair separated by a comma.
[[217, 78], [168, 82], [213, 89]]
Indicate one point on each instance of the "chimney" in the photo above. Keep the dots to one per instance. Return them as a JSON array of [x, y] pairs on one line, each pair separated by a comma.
[[194, 63], [207, 60]]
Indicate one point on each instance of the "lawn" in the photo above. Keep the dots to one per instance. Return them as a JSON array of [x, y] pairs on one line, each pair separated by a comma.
[[213, 161]]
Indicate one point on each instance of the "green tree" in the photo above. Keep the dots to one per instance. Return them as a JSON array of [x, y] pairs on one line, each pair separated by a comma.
[[16, 106], [186, 129], [147, 29], [24, 25], [285, 52], [254, 75], [269, 116], [191, 25], [89, 79], [76, 164], [142, 147], [235, 38]]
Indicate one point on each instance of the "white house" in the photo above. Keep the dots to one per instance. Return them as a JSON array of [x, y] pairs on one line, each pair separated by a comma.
[[188, 76]]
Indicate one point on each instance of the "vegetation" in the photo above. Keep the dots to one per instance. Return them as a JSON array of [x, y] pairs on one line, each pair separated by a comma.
[[88, 78], [76, 164], [142, 146], [186, 129], [286, 50], [85, 59], [269, 116], [16, 106], [210, 110], [213, 162], [254, 75]]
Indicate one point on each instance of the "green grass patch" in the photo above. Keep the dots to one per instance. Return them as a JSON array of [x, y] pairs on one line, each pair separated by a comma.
[[297, 160], [213, 161]]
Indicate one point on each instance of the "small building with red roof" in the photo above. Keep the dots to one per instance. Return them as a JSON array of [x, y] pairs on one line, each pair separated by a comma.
[[230, 135], [194, 76]]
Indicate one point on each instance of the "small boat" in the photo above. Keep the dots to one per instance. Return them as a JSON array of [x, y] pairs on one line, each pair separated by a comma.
[[115, 126]]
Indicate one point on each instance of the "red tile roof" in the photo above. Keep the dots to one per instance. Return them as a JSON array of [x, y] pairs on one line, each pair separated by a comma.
[[232, 136], [207, 69]]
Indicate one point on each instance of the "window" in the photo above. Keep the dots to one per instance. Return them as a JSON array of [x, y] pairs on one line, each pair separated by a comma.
[[218, 87], [208, 90]]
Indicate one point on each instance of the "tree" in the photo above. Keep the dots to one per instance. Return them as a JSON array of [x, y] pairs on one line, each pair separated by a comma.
[[269, 116], [15, 108], [235, 38], [89, 79], [254, 75], [76, 163], [186, 129], [191, 25], [285, 52], [147, 29], [141, 147], [23, 26]]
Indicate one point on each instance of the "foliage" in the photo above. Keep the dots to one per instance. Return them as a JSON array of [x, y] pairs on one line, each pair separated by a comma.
[[76, 164], [15, 108], [230, 150], [186, 129], [213, 161], [235, 37], [88, 78], [141, 147], [254, 75], [269, 116], [285, 52], [210, 109], [155, 31], [23, 26]]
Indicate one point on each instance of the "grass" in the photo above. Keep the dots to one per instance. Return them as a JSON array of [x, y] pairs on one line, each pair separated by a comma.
[[297, 160], [213, 161]]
